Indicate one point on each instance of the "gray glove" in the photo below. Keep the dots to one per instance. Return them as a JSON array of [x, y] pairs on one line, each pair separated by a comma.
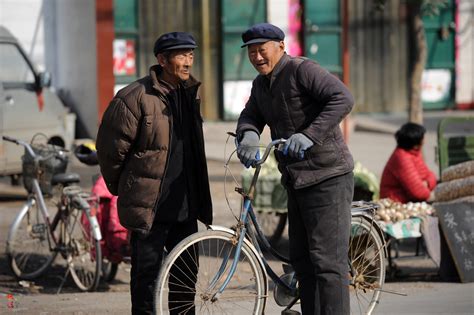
[[247, 149], [296, 145]]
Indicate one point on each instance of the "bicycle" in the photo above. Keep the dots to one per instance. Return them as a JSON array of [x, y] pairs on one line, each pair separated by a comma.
[[34, 240], [223, 270]]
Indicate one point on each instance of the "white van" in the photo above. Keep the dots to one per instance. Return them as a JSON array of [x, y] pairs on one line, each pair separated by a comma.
[[27, 105]]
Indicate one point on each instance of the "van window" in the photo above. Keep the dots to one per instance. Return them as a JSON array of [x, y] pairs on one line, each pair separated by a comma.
[[15, 69]]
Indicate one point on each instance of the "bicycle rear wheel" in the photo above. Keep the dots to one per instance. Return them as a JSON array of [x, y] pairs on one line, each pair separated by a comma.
[[29, 242], [273, 224], [195, 269], [367, 266], [84, 255]]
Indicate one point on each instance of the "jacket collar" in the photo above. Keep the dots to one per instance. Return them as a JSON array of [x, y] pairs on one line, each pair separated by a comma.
[[164, 88], [278, 68]]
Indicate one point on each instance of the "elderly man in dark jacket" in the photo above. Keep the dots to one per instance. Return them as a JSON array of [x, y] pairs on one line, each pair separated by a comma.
[[150, 147], [303, 103]]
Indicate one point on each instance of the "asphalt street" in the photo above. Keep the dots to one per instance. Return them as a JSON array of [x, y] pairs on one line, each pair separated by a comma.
[[371, 142]]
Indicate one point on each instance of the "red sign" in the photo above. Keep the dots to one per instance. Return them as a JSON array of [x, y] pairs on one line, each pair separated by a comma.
[[124, 57]]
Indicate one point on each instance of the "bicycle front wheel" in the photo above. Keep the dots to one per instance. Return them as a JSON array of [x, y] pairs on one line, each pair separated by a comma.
[[196, 268], [367, 266], [29, 242], [84, 255]]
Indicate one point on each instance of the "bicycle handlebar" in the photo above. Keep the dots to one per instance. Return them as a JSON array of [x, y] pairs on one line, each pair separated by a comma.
[[268, 149], [23, 143], [29, 149]]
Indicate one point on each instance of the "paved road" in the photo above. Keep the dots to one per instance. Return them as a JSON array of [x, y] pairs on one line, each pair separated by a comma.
[[425, 294]]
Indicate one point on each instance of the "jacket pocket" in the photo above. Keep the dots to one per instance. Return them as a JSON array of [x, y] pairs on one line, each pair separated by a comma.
[[321, 163]]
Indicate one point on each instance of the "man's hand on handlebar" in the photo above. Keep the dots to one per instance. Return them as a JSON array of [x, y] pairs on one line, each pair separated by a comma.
[[247, 149], [296, 145]]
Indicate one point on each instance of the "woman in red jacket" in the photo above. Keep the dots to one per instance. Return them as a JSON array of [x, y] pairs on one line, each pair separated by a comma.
[[405, 176]]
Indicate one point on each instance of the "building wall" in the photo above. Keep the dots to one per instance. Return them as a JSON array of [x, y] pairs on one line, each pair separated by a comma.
[[378, 56], [161, 16], [465, 55], [70, 37]]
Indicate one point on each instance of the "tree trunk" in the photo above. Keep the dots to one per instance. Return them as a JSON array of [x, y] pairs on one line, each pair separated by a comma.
[[419, 50]]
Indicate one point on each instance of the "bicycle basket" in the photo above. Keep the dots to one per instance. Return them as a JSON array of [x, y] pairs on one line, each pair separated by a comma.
[[55, 163]]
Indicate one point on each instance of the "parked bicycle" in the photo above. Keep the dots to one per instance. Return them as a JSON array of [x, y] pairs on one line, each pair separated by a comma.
[[35, 238], [223, 270], [115, 238]]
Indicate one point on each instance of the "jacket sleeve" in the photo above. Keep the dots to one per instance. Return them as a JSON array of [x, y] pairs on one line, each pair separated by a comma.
[[426, 173], [114, 139], [250, 118], [330, 94], [410, 178]]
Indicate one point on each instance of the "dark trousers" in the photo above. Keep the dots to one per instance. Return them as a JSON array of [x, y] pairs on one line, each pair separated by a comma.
[[147, 255], [319, 226]]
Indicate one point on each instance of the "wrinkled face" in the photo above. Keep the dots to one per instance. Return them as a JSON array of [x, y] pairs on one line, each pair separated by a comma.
[[264, 56], [176, 64]]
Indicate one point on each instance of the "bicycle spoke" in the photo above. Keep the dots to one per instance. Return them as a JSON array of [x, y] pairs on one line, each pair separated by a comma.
[[367, 260], [213, 264]]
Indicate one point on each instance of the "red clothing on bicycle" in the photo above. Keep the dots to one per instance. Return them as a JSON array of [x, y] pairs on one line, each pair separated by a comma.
[[406, 177]]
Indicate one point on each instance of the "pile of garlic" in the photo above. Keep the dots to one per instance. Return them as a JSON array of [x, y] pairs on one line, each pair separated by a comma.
[[391, 211]]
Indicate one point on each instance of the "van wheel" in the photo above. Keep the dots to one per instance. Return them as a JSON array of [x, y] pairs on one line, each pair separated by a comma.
[[15, 179]]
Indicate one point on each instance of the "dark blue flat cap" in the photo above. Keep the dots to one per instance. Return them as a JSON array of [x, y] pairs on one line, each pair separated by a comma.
[[174, 40], [261, 33]]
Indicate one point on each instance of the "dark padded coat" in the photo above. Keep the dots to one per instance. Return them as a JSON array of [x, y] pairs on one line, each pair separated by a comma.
[[132, 147], [299, 96]]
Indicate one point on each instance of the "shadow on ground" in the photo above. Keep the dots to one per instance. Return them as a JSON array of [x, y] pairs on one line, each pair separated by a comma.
[[50, 282]]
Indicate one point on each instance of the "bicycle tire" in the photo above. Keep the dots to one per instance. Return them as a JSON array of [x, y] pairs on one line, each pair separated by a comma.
[[109, 270], [29, 243], [248, 281], [84, 255], [273, 224], [367, 264]]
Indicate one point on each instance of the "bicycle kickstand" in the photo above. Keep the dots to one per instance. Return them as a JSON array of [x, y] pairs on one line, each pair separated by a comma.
[[63, 281]]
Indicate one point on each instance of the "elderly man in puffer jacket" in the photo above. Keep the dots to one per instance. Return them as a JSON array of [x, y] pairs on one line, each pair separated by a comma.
[[304, 103], [150, 146]]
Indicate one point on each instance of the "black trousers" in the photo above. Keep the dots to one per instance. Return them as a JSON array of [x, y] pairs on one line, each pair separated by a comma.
[[147, 255], [319, 226]]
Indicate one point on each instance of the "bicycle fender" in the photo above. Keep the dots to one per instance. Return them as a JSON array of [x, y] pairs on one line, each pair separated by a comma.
[[249, 244], [95, 228], [28, 204]]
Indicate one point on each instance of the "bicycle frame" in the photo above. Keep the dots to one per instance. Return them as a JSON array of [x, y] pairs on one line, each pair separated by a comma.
[[243, 229], [258, 239]]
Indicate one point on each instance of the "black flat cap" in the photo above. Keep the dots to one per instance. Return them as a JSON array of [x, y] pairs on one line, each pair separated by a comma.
[[261, 33], [174, 40]]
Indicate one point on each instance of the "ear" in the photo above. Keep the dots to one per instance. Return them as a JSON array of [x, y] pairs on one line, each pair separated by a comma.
[[282, 45], [160, 58]]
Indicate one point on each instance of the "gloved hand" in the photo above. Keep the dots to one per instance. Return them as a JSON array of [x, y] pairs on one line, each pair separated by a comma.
[[296, 145], [247, 149]]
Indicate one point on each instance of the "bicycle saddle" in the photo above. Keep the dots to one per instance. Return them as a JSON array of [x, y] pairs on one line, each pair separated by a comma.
[[65, 179]]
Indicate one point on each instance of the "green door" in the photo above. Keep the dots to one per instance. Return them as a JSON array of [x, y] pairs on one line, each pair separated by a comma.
[[322, 34], [439, 75], [125, 42]]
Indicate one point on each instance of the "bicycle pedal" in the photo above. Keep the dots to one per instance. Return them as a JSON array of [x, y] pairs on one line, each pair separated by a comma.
[[290, 312]]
